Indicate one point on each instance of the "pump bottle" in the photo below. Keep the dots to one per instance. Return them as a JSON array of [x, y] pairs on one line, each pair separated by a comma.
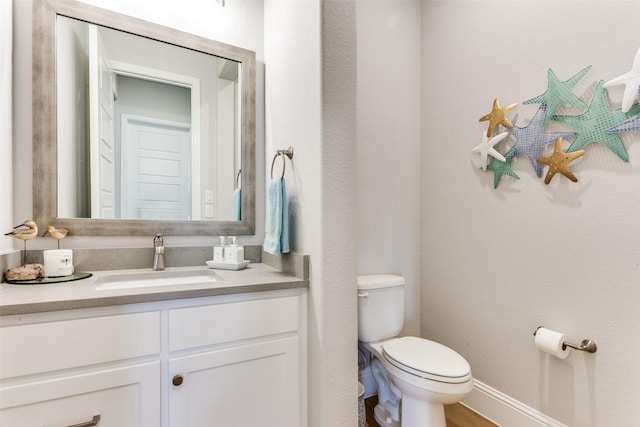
[[218, 251], [233, 253]]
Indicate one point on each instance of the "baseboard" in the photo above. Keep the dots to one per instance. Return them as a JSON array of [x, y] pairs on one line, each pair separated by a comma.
[[504, 410]]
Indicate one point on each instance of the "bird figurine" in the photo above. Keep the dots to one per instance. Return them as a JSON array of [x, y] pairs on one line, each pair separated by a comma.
[[56, 233], [29, 232], [25, 231]]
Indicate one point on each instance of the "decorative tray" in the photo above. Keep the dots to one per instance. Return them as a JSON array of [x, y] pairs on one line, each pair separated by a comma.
[[228, 265], [78, 275]]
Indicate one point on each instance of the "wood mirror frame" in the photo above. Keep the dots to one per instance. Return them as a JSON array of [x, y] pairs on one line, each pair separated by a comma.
[[45, 191]]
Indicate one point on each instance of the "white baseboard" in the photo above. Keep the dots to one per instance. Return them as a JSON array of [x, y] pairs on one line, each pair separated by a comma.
[[504, 410]]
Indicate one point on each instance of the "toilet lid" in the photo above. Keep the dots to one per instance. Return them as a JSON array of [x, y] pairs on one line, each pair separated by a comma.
[[427, 359], [376, 281]]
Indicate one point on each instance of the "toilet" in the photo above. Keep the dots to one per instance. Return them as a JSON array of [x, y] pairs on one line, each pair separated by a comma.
[[415, 377]]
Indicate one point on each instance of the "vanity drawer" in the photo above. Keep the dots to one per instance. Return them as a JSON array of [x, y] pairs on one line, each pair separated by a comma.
[[219, 323], [43, 347]]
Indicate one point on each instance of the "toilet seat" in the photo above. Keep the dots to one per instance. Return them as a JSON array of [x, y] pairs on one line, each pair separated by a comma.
[[427, 359]]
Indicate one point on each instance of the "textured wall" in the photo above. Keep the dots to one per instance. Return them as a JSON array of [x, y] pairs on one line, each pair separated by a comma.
[[310, 105], [389, 145], [498, 263]]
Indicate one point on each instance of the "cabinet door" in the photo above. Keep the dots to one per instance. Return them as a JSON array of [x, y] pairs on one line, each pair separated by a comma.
[[250, 385], [126, 396]]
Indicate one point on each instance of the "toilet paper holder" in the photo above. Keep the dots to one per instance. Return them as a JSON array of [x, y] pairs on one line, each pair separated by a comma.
[[586, 345]]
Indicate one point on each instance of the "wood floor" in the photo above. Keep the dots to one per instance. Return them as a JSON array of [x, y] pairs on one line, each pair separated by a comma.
[[457, 415]]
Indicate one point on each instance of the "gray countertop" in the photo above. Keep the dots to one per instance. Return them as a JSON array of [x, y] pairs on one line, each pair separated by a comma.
[[22, 299]]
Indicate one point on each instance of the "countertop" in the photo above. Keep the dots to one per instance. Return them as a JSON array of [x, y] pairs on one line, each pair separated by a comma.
[[22, 299]]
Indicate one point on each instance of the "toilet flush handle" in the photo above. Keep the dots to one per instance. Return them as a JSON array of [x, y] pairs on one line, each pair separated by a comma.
[[363, 294]]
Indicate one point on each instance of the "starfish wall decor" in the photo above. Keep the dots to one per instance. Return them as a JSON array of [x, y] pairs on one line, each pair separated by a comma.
[[598, 123]]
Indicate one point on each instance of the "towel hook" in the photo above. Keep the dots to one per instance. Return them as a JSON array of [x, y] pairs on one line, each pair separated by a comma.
[[238, 178], [288, 152]]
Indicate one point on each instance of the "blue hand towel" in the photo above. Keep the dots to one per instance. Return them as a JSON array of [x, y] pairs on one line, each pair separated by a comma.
[[284, 235], [276, 240], [237, 205]]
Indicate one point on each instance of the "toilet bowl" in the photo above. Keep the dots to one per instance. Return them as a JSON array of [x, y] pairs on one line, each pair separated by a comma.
[[416, 377]]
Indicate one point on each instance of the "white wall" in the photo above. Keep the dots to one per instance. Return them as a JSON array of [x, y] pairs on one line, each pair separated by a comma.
[[310, 81], [153, 99], [240, 23], [389, 145], [6, 151], [498, 263]]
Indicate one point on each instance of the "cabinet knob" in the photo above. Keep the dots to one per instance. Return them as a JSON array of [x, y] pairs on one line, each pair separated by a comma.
[[177, 380]]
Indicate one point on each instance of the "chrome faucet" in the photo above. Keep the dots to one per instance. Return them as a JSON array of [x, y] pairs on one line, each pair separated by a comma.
[[158, 253]]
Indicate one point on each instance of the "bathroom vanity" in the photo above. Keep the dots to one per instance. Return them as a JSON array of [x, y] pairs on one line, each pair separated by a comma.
[[232, 353]]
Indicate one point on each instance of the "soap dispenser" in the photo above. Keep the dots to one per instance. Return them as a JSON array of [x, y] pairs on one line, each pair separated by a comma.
[[233, 253], [218, 251]]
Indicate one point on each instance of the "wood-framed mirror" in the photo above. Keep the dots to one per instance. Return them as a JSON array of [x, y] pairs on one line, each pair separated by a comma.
[[194, 193]]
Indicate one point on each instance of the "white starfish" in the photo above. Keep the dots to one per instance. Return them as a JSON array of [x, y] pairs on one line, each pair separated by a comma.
[[486, 148], [631, 81]]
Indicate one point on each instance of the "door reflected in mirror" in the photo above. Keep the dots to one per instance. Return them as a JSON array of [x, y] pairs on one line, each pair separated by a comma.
[[146, 129]]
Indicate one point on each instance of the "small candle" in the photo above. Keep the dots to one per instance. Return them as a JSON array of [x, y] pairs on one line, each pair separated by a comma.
[[58, 262]]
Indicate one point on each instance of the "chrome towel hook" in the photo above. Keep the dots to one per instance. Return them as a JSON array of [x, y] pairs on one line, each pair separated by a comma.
[[288, 152]]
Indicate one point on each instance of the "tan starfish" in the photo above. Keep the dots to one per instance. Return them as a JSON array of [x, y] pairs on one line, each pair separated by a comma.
[[497, 116], [559, 162]]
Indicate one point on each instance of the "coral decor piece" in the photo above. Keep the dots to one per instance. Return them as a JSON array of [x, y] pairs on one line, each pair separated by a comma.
[[593, 124], [501, 168], [497, 116], [531, 139], [486, 148], [25, 272], [631, 82], [559, 162], [559, 93]]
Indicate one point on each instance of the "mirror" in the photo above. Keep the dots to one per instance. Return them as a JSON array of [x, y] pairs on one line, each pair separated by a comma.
[[153, 146]]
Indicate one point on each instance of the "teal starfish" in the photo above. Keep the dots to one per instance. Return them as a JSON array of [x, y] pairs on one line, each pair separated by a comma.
[[559, 93], [592, 125], [500, 168]]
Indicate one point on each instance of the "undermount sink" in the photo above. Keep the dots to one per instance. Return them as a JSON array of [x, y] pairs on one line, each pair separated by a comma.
[[146, 279]]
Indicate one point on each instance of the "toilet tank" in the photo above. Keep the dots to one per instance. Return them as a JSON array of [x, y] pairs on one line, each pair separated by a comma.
[[380, 306]]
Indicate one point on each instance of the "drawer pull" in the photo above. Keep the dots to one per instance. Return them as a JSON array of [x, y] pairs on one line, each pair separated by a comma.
[[177, 380], [93, 422]]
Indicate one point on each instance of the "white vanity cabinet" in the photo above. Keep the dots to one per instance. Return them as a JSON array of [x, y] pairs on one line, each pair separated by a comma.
[[62, 371], [236, 364], [229, 360]]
